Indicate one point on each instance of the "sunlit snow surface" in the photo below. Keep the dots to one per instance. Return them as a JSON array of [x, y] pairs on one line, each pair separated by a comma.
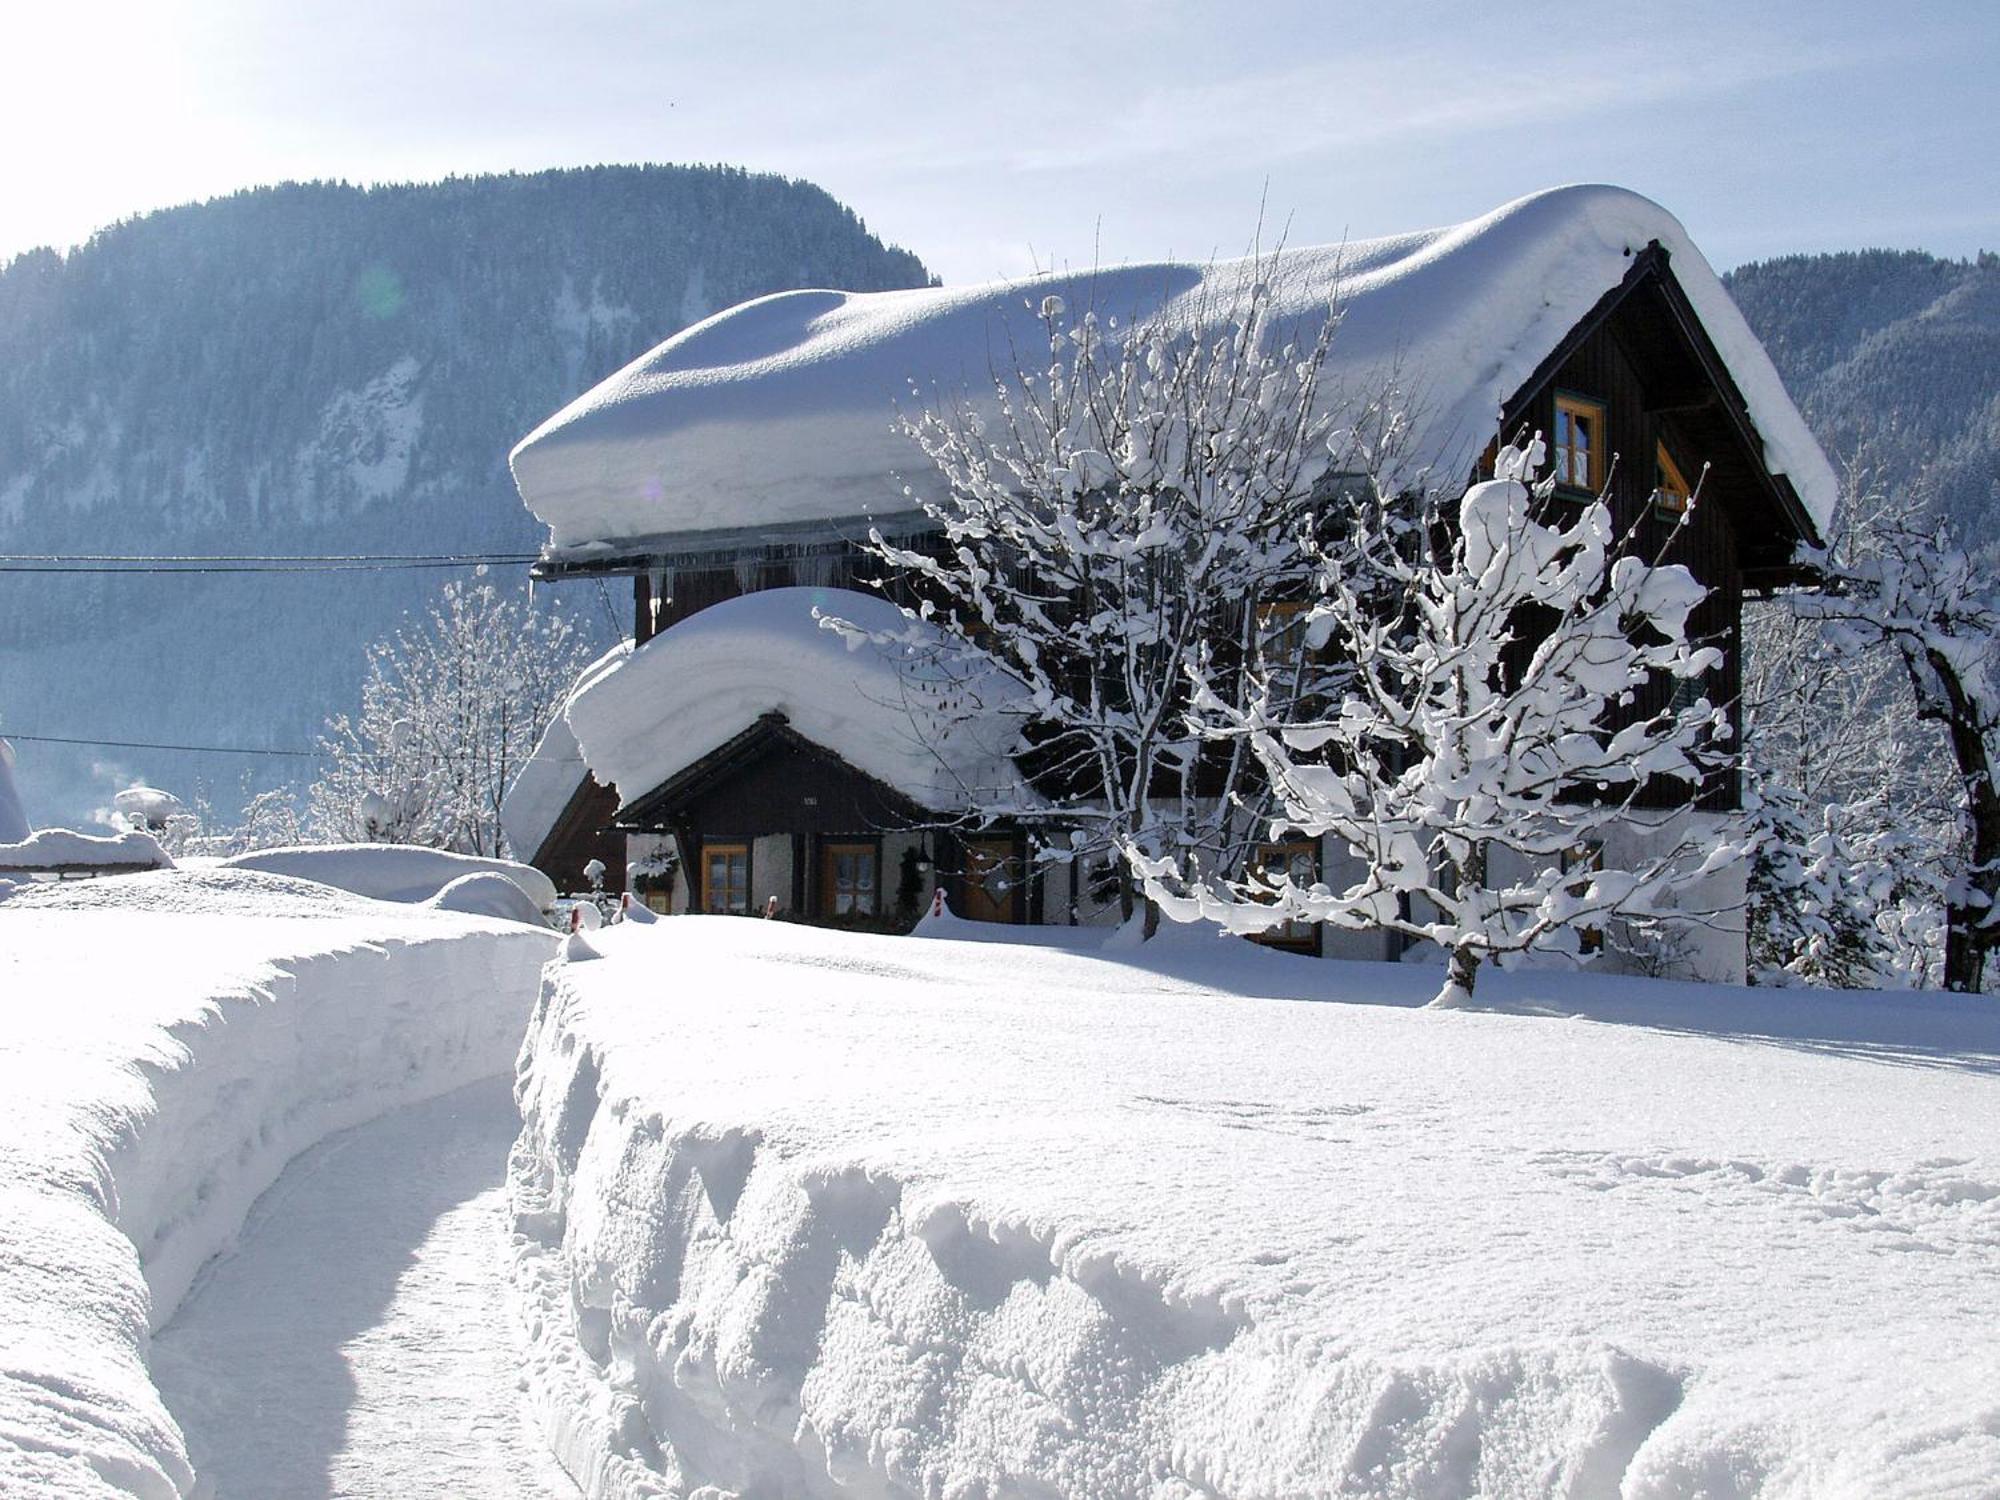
[[358, 1341], [804, 1214], [782, 411], [168, 1042]]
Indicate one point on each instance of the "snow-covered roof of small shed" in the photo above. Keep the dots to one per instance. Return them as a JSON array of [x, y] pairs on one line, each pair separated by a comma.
[[782, 411], [940, 735]]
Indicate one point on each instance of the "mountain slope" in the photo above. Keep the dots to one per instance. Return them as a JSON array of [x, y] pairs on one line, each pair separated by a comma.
[[319, 368], [1895, 358]]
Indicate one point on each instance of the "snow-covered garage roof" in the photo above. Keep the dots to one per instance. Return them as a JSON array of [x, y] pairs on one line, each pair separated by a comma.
[[943, 742], [782, 411]]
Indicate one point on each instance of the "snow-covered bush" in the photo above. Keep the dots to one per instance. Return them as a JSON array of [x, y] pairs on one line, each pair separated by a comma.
[[1490, 735], [1913, 587], [1139, 505], [1827, 897], [450, 710]]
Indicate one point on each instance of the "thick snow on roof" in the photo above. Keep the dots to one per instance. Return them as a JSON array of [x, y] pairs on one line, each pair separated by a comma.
[[889, 710], [782, 410], [882, 1216], [64, 848], [550, 778]]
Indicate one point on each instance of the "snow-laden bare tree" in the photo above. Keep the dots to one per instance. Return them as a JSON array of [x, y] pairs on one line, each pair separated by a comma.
[[451, 709], [1491, 737], [1852, 795], [1140, 504], [1912, 587]]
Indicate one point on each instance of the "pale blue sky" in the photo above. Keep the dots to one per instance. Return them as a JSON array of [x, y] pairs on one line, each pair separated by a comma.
[[994, 137]]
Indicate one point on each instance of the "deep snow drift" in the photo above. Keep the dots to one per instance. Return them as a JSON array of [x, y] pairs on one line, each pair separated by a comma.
[[811, 1214], [781, 411], [168, 1042]]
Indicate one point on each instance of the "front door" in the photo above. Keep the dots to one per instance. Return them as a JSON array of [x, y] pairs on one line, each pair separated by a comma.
[[992, 876]]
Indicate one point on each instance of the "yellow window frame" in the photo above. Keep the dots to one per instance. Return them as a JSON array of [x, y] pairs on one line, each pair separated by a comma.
[[1671, 491], [1580, 465]]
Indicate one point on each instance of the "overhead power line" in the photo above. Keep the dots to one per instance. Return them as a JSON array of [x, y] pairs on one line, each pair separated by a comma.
[[61, 739], [76, 562]]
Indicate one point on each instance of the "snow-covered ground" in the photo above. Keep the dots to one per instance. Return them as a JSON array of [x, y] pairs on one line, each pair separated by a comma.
[[809, 1214], [168, 1042], [365, 1304]]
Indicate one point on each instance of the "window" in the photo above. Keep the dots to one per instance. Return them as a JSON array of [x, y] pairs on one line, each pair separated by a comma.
[[1583, 861], [1670, 491], [725, 878], [850, 879], [1579, 443], [1281, 630], [1298, 860]]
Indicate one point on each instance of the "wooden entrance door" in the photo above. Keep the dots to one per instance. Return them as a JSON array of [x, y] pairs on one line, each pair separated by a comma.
[[992, 877]]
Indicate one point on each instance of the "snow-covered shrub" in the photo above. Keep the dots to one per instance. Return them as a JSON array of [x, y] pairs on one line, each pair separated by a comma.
[[1911, 586], [1490, 734], [1824, 907]]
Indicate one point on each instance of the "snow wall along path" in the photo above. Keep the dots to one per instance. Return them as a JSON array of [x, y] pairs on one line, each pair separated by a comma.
[[168, 1043], [804, 1214]]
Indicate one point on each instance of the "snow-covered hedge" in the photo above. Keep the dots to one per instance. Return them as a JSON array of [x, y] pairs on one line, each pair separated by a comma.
[[168, 1042], [836, 1214]]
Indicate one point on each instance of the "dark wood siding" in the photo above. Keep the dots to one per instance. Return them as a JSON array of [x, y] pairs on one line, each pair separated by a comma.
[[1648, 403]]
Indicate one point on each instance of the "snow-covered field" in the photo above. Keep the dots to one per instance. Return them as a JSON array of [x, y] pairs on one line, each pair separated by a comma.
[[808, 1214], [168, 1042]]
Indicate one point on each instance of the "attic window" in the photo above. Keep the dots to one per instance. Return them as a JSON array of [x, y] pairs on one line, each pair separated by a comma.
[[1670, 490], [1579, 445]]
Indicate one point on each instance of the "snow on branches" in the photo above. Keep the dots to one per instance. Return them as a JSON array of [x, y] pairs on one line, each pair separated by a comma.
[[1915, 590], [1139, 505], [1519, 685], [450, 713]]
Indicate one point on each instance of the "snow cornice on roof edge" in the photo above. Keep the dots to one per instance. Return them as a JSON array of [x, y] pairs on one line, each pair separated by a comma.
[[781, 412]]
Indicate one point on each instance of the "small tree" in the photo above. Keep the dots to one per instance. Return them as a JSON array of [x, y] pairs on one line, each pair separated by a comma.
[[1476, 760], [1856, 797], [451, 709], [1915, 590], [1140, 505]]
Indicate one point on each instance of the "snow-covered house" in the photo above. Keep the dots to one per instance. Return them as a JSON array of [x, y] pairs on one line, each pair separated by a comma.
[[751, 452]]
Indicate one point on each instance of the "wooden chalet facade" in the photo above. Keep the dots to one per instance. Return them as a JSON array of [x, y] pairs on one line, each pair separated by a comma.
[[1637, 403]]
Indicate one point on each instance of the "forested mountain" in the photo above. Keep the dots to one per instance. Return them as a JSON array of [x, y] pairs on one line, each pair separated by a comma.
[[1894, 357], [324, 369]]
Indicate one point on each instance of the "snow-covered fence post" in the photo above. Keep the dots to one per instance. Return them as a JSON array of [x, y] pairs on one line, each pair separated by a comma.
[[1489, 735], [1939, 608]]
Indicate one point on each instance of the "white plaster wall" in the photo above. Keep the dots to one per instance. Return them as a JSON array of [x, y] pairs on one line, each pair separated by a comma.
[[771, 872]]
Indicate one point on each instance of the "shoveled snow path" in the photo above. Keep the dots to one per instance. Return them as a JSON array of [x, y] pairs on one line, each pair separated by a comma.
[[358, 1341]]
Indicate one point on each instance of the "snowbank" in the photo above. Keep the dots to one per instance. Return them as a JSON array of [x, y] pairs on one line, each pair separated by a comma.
[[889, 710], [168, 1041], [63, 848], [390, 872], [781, 410], [870, 1216], [487, 893]]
